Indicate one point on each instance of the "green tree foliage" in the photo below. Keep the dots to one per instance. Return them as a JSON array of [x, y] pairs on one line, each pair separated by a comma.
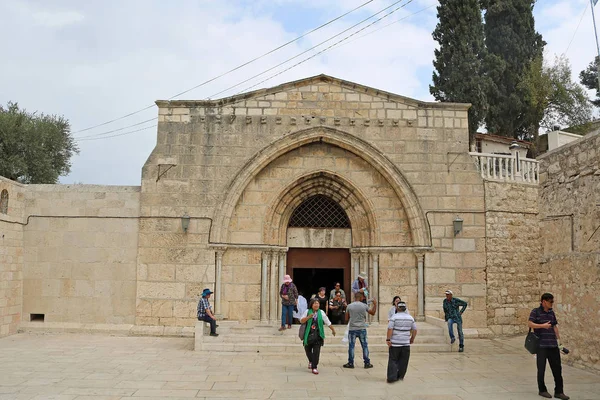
[[553, 98], [512, 44], [34, 148], [458, 75], [589, 78]]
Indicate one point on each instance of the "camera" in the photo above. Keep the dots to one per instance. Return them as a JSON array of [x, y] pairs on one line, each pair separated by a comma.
[[564, 349]]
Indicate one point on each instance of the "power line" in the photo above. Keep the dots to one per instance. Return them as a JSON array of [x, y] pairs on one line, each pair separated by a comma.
[[322, 51], [306, 51], [120, 134], [327, 48], [576, 29], [385, 26], [116, 130], [231, 70]]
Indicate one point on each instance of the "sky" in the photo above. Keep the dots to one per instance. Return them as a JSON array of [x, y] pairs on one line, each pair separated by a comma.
[[93, 62]]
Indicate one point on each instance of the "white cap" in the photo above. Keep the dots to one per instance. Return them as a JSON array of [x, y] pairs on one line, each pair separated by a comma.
[[449, 291]]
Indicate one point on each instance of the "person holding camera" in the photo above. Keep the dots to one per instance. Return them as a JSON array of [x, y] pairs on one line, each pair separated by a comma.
[[544, 324]]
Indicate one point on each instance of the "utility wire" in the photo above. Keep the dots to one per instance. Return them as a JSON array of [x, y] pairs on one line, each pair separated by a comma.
[[115, 130], [576, 29], [120, 134], [324, 50], [306, 51], [231, 70], [385, 26], [327, 48]]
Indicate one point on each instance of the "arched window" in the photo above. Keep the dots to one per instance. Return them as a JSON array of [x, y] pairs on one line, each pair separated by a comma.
[[4, 202], [319, 212]]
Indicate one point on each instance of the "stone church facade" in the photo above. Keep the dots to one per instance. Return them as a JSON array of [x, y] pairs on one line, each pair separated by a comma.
[[319, 178]]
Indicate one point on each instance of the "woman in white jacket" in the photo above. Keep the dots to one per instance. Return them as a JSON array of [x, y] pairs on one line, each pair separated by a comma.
[[314, 334]]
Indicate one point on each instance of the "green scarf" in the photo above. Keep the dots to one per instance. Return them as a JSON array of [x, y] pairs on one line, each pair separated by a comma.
[[319, 324]]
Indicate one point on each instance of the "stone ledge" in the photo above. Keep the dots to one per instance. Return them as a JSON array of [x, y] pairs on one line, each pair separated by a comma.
[[470, 333], [111, 329]]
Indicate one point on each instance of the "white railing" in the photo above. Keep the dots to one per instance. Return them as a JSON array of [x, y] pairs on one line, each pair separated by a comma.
[[507, 167]]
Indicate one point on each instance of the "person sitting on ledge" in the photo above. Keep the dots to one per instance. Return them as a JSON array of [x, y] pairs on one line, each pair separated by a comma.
[[205, 312]]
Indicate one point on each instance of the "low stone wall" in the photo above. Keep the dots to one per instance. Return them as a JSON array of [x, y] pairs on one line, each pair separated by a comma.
[[80, 245], [569, 202], [11, 258], [512, 233]]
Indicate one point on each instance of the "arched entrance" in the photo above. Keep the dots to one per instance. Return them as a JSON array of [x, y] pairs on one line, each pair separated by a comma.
[[321, 230]]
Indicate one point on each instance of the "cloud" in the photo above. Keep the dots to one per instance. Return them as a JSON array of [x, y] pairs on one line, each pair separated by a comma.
[[95, 61]]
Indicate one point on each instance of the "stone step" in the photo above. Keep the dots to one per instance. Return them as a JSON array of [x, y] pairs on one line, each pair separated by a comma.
[[342, 348], [225, 337]]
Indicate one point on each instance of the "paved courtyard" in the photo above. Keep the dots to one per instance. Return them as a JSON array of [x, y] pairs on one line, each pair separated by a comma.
[[71, 366]]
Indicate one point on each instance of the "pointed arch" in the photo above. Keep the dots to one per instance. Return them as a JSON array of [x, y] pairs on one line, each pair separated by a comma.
[[360, 148], [356, 206]]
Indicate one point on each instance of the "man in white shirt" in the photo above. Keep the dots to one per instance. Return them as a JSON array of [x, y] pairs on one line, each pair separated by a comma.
[[302, 306], [401, 333]]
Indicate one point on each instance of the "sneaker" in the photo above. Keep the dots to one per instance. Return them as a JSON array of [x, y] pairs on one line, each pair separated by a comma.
[[562, 396], [461, 349], [289, 326], [368, 365], [314, 371], [452, 340], [309, 365], [545, 394], [214, 334], [389, 381], [282, 329], [348, 365]]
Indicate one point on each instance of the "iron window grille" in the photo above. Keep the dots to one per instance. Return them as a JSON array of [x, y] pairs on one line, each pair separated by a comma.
[[319, 212]]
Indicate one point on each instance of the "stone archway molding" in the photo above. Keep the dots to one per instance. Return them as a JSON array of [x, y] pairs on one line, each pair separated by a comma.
[[359, 147], [328, 183]]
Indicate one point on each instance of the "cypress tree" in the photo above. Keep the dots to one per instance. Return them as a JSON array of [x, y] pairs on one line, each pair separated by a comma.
[[512, 44], [458, 75]]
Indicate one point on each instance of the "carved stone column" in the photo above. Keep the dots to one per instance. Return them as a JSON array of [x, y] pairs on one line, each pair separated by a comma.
[[273, 286], [354, 264], [218, 286], [264, 287], [420, 286], [375, 282], [282, 259]]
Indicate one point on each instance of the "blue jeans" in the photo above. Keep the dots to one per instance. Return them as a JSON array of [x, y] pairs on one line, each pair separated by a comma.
[[362, 337], [287, 311], [461, 338]]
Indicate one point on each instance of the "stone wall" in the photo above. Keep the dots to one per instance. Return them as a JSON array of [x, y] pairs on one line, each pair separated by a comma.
[[512, 242], [569, 202], [11, 258], [208, 150], [80, 248]]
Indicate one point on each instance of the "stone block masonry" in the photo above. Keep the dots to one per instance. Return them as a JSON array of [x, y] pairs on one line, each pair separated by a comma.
[[11, 258], [569, 202]]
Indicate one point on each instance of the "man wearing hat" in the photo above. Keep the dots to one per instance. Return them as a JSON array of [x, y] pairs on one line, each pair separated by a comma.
[[205, 312], [360, 285], [453, 315], [401, 333]]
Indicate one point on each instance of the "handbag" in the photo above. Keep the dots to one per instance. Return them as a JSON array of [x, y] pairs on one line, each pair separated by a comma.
[[532, 342], [302, 331]]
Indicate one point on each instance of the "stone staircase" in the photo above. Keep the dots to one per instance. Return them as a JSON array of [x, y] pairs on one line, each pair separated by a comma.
[[256, 337]]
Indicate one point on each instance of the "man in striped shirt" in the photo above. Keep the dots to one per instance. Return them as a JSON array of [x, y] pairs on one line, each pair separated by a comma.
[[401, 333], [543, 322]]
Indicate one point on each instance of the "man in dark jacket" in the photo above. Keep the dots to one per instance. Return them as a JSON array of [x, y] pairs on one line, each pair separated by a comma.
[[453, 315]]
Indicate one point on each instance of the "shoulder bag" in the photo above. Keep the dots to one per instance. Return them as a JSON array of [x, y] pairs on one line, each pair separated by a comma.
[[532, 341]]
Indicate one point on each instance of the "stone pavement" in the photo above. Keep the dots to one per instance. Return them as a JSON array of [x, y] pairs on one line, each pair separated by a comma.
[[75, 366]]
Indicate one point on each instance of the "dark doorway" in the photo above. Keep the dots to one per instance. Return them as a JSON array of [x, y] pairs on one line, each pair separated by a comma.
[[309, 280], [312, 268]]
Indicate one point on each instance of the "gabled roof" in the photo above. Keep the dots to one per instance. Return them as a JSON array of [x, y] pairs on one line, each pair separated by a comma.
[[313, 80]]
